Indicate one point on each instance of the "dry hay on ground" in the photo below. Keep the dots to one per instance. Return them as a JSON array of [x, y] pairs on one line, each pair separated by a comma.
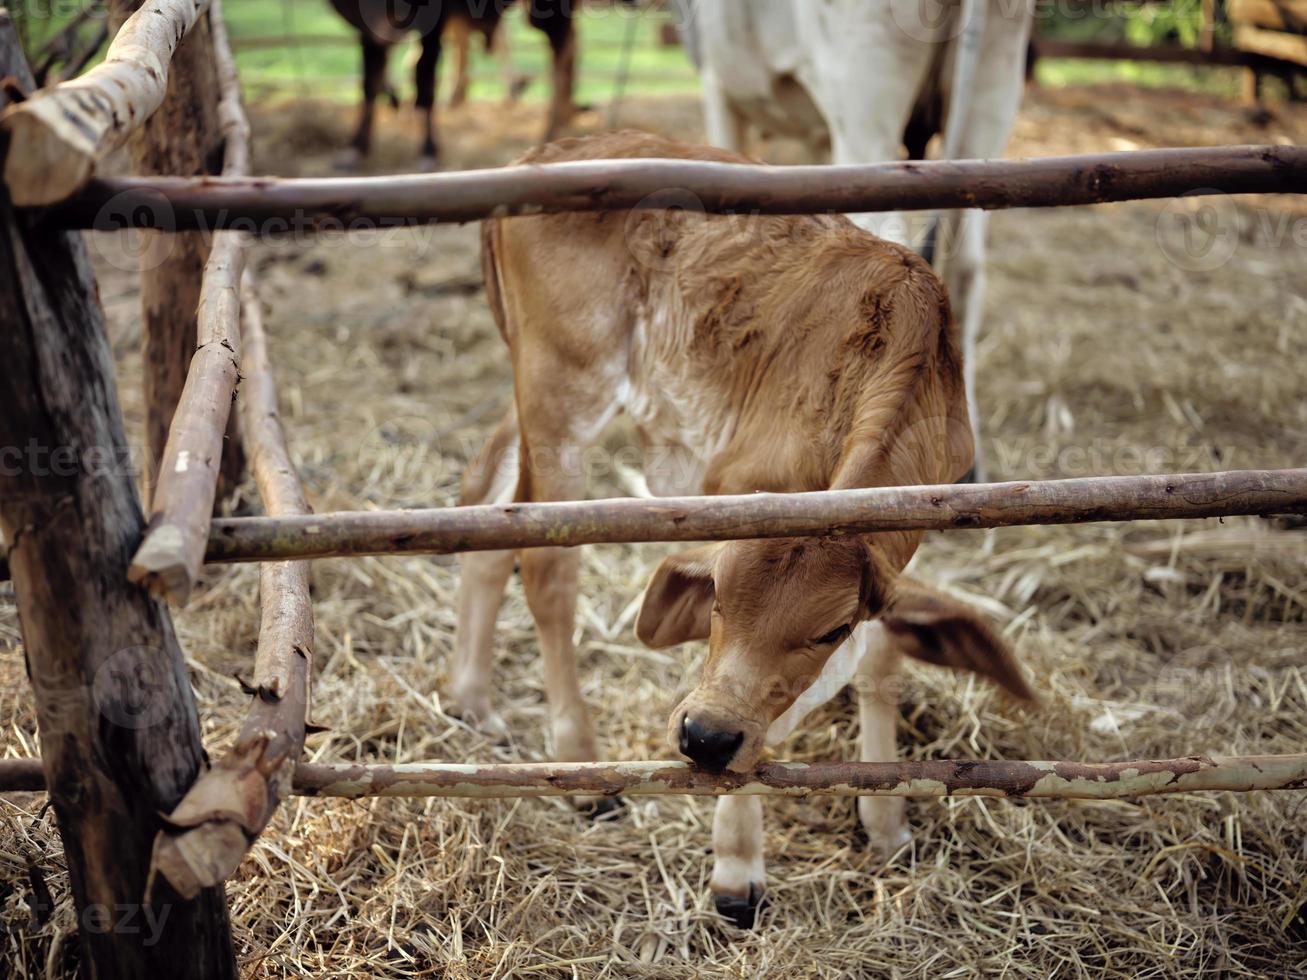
[[1100, 355]]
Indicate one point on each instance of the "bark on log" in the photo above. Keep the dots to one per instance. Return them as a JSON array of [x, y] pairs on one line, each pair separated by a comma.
[[273, 206], [169, 559], [114, 707], [57, 136], [218, 821], [1050, 780], [760, 515], [998, 778]]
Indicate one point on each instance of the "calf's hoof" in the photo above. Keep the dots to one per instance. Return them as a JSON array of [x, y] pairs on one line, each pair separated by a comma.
[[886, 845], [477, 715], [600, 809], [741, 910], [349, 160], [884, 821]]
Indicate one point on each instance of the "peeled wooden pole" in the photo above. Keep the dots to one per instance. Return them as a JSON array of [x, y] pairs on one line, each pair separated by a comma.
[[169, 559], [760, 515], [57, 136], [271, 206], [208, 834], [114, 708], [998, 778], [181, 138]]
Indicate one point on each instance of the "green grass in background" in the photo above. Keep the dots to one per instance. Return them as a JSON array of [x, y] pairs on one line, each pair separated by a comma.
[[331, 72]]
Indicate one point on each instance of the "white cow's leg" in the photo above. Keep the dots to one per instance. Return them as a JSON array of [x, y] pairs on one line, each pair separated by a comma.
[[738, 874], [878, 710], [724, 125], [961, 241], [991, 111]]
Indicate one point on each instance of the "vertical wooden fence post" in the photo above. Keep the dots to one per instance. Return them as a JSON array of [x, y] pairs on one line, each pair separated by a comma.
[[117, 719], [181, 138]]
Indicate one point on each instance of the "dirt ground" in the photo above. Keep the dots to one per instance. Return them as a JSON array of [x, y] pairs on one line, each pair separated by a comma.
[[1112, 344]]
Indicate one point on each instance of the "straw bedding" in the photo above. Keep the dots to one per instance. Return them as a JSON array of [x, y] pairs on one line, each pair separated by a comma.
[[1099, 356]]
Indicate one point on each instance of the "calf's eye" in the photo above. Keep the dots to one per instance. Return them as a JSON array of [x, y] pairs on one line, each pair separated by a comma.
[[834, 636]]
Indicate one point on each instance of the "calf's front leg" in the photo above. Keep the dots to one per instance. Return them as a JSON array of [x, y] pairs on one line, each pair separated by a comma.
[[739, 873], [877, 684]]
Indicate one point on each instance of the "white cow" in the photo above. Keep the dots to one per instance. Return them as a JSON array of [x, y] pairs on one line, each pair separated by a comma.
[[863, 78]]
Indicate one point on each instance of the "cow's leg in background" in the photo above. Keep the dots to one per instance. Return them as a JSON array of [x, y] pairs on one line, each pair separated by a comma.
[[994, 98], [739, 872], [866, 84], [877, 686], [460, 34], [723, 123], [374, 85], [424, 77], [554, 18], [491, 478]]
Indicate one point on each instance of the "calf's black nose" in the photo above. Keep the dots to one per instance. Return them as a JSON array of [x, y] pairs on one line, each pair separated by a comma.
[[713, 750]]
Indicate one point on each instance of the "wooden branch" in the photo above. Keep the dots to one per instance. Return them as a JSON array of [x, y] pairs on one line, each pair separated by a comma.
[[1049, 780], [1217, 57], [22, 776], [56, 137], [217, 822], [181, 138], [169, 559], [996, 778], [1280, 15], [760, 515], [1272, 44], [278, 205], [114, 707]]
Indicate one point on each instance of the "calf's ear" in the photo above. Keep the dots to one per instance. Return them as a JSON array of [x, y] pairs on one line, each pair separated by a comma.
[[678, 601], [935, 628]]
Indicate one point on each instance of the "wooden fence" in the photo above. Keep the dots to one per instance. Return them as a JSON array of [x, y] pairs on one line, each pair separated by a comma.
[[81, 548]]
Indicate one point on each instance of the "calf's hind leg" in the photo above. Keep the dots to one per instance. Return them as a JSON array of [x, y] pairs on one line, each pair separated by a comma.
[[491, 478], [555, 434]]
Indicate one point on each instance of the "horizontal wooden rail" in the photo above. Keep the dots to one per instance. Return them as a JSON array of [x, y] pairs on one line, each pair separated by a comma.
[[1218, 57], [56, 136], [271, 205], [760, 515], [1035, 780]]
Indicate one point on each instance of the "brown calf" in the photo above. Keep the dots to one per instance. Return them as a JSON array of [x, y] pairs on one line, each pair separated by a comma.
[[772, 353]]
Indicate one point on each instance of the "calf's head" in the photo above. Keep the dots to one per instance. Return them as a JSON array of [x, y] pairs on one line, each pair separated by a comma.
[[776, 613]]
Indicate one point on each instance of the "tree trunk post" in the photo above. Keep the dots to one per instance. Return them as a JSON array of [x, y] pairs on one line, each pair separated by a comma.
[[118, 727]]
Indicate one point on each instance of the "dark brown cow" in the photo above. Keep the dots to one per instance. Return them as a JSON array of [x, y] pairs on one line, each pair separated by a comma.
[[383, 23]]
